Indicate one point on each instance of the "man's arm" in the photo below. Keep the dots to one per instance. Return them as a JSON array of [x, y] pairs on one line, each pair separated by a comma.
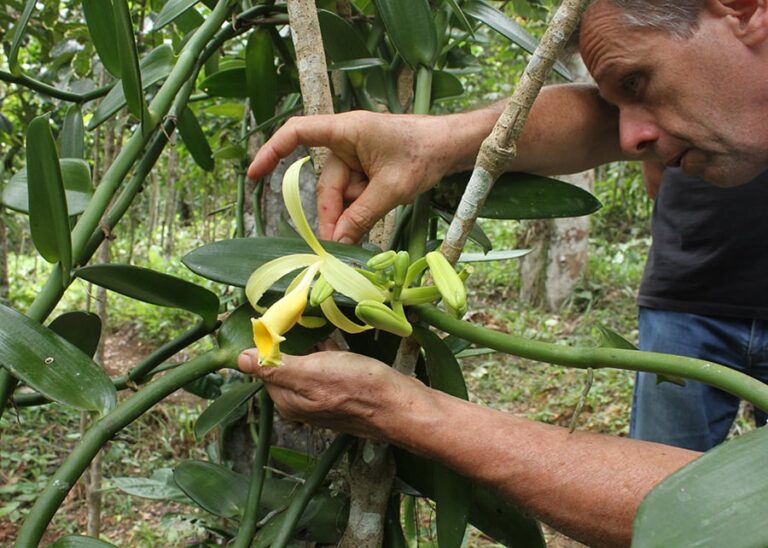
[[587, 485], [379, 161]]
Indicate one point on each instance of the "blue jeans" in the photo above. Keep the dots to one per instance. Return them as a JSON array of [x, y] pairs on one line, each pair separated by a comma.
[[695, 416]]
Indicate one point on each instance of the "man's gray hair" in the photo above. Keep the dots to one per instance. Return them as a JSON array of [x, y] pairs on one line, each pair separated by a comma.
[[680, 18]]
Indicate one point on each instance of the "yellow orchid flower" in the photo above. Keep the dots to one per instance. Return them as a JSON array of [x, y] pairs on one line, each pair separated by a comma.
[[342, 277], [279, 318]]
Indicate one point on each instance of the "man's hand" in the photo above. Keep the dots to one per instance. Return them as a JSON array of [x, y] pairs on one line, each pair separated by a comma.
[[377, 162], [339, 390]]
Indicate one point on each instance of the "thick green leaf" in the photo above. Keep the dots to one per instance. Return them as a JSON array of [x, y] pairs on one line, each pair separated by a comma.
[[521, 196], [192, 135], [222, 492], [130, 73], [207, 387], [230, 152], [171, 10], [48, 217], [76, 176], [82, 329], [510, 29], [77, 541], [223, 407], [502, 255], [494, 515], [154, 67], [341, 41], [160, 486], [71, 138], [228, 110], [236, 334], [153, 287], [296, 460], [261, 74], [232, 261], [717, 500], [445, 85], [228, 82], [357, 64], [411, 28], [18, 36], [51, 365], [453, 492], [214, 488], [100, 18]]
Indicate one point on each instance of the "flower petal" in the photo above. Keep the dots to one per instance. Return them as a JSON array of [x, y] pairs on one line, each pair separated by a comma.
[[292, 199], [348, 281], [267, 274], [337, 318]]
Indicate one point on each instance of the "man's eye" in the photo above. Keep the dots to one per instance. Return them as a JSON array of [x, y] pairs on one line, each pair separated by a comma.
[[631, 84]]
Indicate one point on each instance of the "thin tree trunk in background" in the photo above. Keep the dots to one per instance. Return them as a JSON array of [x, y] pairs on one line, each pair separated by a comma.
[[4, 285], [152, 209], [558, 257], [170, 203]]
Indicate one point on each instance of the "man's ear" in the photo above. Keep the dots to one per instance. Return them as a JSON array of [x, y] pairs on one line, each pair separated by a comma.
[[748, 19]]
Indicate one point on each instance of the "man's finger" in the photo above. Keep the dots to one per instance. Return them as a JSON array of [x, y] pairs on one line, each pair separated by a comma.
[[309, 131], [360, 216], [330, 195]]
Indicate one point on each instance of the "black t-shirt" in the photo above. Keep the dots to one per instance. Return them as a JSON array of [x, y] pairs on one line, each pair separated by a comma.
[[710, 248]]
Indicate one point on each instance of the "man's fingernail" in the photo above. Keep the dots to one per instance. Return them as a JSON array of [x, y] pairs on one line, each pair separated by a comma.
[[246, 363], [346, 240]]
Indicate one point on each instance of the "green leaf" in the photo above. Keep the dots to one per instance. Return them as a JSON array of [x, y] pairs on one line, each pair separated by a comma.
[[227, 110], [223, 407], [207, 387], [230, 152], [77, 541], [510, 29], [411, 28], [453, 492], [154, 67], [232, 261], [717, 500], [171, 10], [214, 488], [357, 64], [18, 36], [156, 288], [192, 135], [100, 18], [445, 85], [296, 460], [493, 514], [160, 486], [236, 334], [130, 73], [78, 191], [82, 329], [229, 82], [501, 255], [521, 196], [26, 350], [72, 136], [48, 216], [459, 13], [261, 74], [341, 41]]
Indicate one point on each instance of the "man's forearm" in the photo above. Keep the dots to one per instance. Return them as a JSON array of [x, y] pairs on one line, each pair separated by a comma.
[[569, 129], [587, 485]]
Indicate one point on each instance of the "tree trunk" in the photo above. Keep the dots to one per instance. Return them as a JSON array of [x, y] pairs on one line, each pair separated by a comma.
[[4, 286], [558, 257], [170, 203]]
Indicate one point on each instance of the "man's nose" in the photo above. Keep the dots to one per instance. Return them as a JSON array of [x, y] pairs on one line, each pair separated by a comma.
[[638, 132]]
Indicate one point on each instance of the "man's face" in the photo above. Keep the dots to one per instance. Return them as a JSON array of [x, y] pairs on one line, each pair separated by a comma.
[[695, 103]]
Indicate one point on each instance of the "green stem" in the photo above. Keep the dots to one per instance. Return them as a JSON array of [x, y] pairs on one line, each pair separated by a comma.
[[719, 376], [419, 230], [250, 515], [422, 99], [200, 330], [129, 410], [54, 92], [301, 500]]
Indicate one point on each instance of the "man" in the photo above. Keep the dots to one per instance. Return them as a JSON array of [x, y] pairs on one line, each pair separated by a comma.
[[702, 295], [677, 84]]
